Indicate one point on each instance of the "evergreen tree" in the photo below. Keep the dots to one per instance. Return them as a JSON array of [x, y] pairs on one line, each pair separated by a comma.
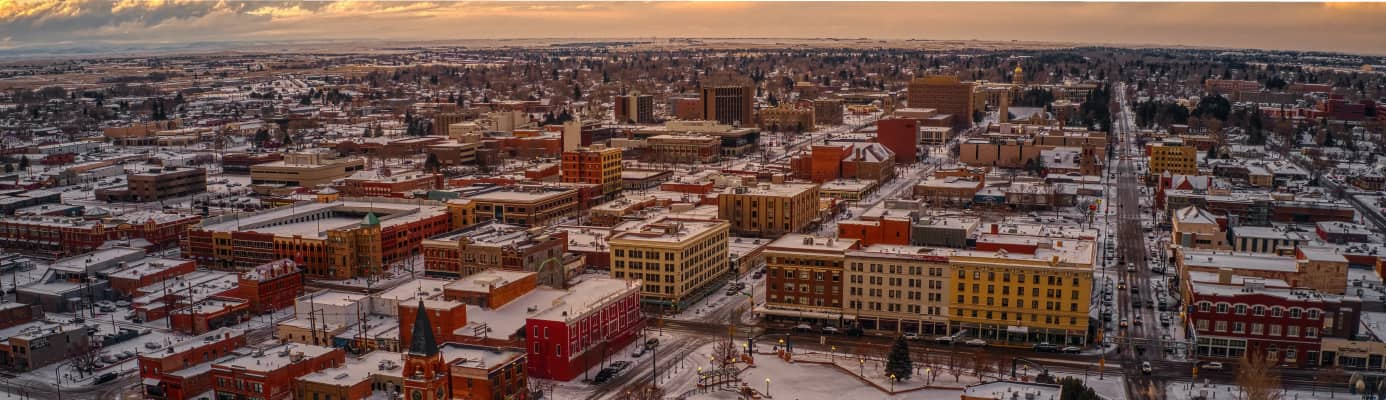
[[23, 163], [431, 164], [261, 136], [9, 167], [1212, 153], [899, 363]]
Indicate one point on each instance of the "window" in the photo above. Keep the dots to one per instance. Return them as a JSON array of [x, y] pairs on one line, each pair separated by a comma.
[[1205, 306], [1311, 332], [1294, 312], [1258, 311], [1276, 311], [1275, 330], [1240, 309], [1222, 308], [1292, 331], [1237, 327], [1220, 326], [1313, 313], [1202, 324], [1258, 328]]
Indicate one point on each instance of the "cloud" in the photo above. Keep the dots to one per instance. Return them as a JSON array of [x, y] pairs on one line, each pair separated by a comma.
[[1352, 27]]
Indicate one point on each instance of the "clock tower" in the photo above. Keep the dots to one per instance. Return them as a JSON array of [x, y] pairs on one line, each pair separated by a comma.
[[425, 374]]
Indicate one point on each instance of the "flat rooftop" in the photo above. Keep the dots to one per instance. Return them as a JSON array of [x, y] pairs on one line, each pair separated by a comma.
[[274, 358], [1250, 261], [484, 280], [585, 297], [803, 242], [668, 230], [311, 219], [522, 195]]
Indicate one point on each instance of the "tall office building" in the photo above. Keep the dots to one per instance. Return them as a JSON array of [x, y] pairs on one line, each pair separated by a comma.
[[944, 93], [634, 108], [598, 164], [728, 104]]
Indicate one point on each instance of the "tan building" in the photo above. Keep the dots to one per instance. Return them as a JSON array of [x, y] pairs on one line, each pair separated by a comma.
[[682, 149], [308, 169], [157, 184], [805, 279], [946, 94], [678, 260], [1197, 228], [787, 118], [898, 289], [769, 210], [527, 205], [1174, 157], [827, 111], [1317, 268]]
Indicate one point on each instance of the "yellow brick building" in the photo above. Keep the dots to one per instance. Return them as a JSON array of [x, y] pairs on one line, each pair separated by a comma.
[[677, 259], [769, 210], [1011, 297], [1173, 157]]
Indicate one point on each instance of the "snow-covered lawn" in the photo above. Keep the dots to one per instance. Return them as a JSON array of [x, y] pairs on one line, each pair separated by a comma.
[[1213, 391]]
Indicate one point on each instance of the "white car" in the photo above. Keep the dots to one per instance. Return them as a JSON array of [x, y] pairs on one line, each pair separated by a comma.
[[1145, 367], [975, 342], [912, 336], [1213, 366]]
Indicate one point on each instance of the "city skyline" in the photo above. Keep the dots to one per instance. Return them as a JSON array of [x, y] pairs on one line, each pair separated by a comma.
[[1333, 27]]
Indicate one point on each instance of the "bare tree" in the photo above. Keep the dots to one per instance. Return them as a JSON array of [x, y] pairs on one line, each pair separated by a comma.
[[84, 356], [956, 365], [981, 364], [644, 391], [725, 352], [1257, 378], [544, 387], [933, 369]]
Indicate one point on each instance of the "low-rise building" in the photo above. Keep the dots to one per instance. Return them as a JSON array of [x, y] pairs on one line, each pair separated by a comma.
[[804, 278], [183, 369], [527, 205], [1232, 314], [768, 210], [677, 260], [269, 373], [595, 317], [154, 184], [896, 288], [494, 245]]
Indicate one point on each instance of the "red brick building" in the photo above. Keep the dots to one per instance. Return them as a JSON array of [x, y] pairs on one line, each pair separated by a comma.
[[126, 282], [269, 373], [845, 160], [597, 315], [445, 316], [887, 230], [900, 135], [272, 286], [210, 313], [170, 374], [56, 237], [1232, 315]]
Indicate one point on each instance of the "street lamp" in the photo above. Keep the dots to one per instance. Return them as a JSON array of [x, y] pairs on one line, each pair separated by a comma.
[[833, 356], [892, 383], [767, 387], [929, 372], [861, 363]]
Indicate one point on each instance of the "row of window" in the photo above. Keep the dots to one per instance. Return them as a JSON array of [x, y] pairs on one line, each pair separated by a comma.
[[1258, 329], [1258, 310]]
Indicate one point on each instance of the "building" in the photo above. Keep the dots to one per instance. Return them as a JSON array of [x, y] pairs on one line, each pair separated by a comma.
[[787, 117], [901, 136], [527, 205], [866, 161], [599, 165], [33, 345], [827, 111], [271, 286], [768, 210], [893, 229], [895, 288], [183, 370], [731, 105], [141, 272], [1023, 289], [335, 240], [1266, 239], [1232, 314], [1197, 228], [678, 260], [360, 377], [239, 163], [805, 279], [208, 314], [682, 149], [494, 245], [1320, 269], [381, 183], [596, 316], [63, 236], [309, 169], [1173, 157], [157, 184], [946, 94], [634, 108], [269, 373]]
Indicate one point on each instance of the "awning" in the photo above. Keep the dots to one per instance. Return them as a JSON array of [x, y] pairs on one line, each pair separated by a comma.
[[1017, 329], [804, 314], [151, 381]]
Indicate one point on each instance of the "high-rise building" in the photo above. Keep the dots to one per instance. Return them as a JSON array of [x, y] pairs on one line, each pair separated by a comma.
[[804, 278], [944, 93], [1038, 290], [898, 289], [598, 165], [634, 108], [677, 259], [729, 104], [1173, 157]]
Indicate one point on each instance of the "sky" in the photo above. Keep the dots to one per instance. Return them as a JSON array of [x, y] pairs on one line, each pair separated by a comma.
[[1341, 27]]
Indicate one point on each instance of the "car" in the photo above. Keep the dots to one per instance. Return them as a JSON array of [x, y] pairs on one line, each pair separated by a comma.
[[638, 351], [1046, 347], [106, 377], [1071, 349], [1212, 366], [152, 345], [1121, 286], [944, 339], [620, 365], [109, 359], [830, 330], [911, 336], [1145, 367], [1123, 323], [975, 342]]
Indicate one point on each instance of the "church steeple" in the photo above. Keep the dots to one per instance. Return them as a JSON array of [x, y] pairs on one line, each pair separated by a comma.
[[421, 341]]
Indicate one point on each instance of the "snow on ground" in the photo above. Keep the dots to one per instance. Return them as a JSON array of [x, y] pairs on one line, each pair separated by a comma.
[[1112, 386], [1213, 391]]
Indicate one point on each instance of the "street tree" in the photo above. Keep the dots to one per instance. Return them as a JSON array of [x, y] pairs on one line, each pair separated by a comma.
[[898, 363], [1257, 378]]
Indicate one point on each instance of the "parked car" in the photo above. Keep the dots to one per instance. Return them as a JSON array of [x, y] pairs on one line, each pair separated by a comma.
[[1071, 349], [1123, 323], [1212, 366], [911, 336], [830, 330], [1046, 347], [975, 342], [106, 377], [944, 339], [620, 365], [639, 351], [1145, 367]]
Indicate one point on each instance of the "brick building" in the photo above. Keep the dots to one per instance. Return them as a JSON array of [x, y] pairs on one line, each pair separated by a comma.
[[1232, 314], [271, 286], [269, 373], [597, 316], [183, 369]]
